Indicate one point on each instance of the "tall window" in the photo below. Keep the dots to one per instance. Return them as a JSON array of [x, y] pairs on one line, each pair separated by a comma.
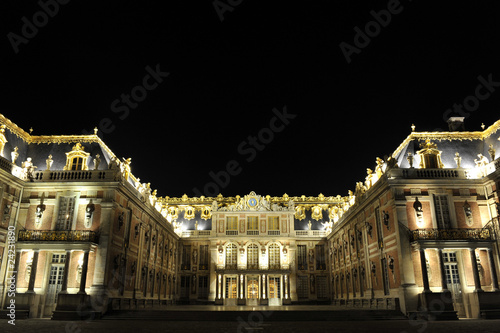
[[253, 257], [320, 257], [253, 225], [231, 257], [302, 257], [203, 287], [302, 286], [65, 214], [231, 287], [204, 255], [274, 256], [321, 289], [442, 211], [274, 287], [273, 223], [380, 235], [55, 278], [186, 257], [253, 287], [232, 225], [185, 286], [385, 276]]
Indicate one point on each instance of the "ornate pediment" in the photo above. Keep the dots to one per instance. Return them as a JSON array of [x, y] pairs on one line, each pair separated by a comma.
[[255, 202]]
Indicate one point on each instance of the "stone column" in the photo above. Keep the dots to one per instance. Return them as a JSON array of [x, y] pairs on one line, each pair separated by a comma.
[[242, 286], [31, 285], [425, 276], [264, 286], [83, 279], [444, 285], [217, 288], [64, 284], [493, 270], [475, 271]]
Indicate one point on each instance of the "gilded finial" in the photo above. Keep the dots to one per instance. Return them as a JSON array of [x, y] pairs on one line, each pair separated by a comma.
[[95, 130], [413, 127], [482, 125], [31, 130]]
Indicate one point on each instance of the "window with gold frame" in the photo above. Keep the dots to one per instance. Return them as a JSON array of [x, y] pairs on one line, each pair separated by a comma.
[[273, 223], [232, 223], [274, 256], [252, 223], [231, 257], [76, 159], [253, 256]]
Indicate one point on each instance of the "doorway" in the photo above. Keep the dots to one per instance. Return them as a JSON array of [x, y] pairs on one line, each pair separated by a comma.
[[274, 290], [55, 282], [453, 281], [253, 291], [231, 290]]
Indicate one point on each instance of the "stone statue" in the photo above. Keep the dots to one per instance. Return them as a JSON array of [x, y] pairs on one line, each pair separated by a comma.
[[14, 155], [391, 162], [97, 161], [492, 152], [369, 178], [458, 159], [114, 163], [482, 161], [379, 168], [49, 161], [125, 168], [195, 257], [28, 169], [410, 159]]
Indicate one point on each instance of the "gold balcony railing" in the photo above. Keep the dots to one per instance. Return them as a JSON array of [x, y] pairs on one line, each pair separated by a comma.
[[58, 236], [460, 234]]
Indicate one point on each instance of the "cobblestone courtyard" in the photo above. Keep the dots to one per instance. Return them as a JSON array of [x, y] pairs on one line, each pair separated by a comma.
[[400, 326]]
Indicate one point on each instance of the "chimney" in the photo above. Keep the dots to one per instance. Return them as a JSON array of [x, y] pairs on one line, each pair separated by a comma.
[[456, 124]]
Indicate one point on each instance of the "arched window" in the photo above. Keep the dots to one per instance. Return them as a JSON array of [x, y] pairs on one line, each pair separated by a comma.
[[76, 159], [231, 257], [274, 256], [252, 256], [430, 156]]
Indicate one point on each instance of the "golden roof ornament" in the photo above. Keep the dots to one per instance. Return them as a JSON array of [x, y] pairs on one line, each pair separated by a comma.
[[78, 147]]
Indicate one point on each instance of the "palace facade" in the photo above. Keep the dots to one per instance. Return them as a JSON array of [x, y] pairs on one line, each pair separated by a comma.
[[81, 235]]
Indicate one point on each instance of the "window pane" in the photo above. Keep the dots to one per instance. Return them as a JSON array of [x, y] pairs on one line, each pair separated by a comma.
[[274, 257], [273, 222], [66, 212], [253, 223], [253, 257], [231, 257], [302, 257], [232, 223]]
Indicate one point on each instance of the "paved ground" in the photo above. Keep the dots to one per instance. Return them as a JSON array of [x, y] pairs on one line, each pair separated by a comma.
[[250, 325]]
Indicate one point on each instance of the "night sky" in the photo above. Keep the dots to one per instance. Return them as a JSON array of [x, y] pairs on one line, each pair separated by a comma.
[[345, 79]]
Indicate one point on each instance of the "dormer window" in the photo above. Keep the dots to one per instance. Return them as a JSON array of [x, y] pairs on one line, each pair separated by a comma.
[[76, 159], [3, 140], [430, 156]]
